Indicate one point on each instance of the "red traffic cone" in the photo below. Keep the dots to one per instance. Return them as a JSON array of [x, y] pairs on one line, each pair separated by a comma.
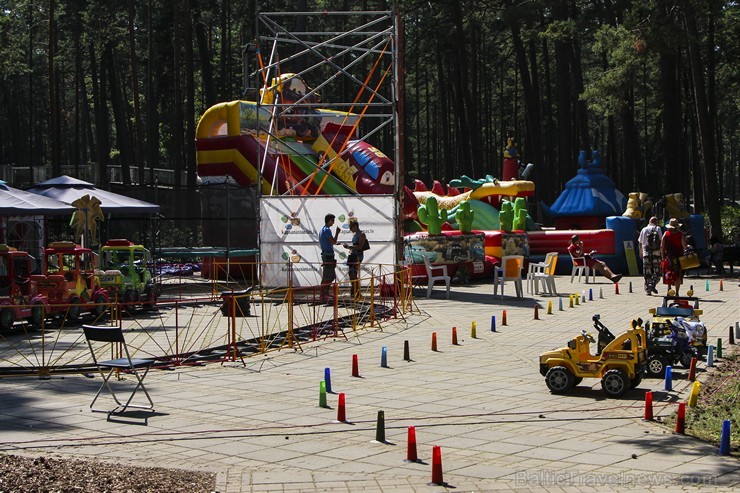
[[411, 449], [355, 366], [681, 419], [434, 341], [341, 411], [503, 318], [648, 406], [437, 466]]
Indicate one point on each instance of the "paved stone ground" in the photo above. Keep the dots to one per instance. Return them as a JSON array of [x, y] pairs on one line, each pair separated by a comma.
[[483, 402]]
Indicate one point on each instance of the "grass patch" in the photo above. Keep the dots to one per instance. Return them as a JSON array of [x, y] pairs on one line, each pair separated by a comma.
[[719, 399]]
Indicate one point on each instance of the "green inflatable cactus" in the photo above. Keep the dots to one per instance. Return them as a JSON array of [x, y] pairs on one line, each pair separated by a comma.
[[464, 217], [430, 215], [520, 214], [506, 216]]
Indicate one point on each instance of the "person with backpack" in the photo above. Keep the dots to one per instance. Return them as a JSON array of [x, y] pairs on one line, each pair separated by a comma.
[[357, 248], [649, 242]]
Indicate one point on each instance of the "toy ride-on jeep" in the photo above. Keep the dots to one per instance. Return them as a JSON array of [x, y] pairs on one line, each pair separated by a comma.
[[15, 288], [68, 285], [126, 275], [678, 314], [619, 362], [668, 344]]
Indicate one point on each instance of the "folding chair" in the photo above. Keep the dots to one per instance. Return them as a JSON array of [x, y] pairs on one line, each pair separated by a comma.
[[113, 336]]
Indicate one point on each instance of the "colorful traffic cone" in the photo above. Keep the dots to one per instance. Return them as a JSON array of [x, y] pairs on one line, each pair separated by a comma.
[[583, 296], [731, 336], [549, 307], [692, 370], [577, 298], [341, 409], [681, 419], [719, 347], [434, 341], [406, 352], [707, 285], [668, 378], [724, 441], [616, 288], [590, 294], [710, 356], [411, 455], [384, 357], [503, 318], [380, 428], [648, 406], [721, 285], [570, 298], [327, 379], [601, 294], [536, 311], [560, 304], [473, 334], [437, 466], [322, 394], [355, 366], [630, 288], [694, 395], [454, 336], [493, 323]]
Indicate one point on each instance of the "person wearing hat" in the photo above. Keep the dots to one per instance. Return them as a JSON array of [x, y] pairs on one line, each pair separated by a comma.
[[672, 246], [576, 250]]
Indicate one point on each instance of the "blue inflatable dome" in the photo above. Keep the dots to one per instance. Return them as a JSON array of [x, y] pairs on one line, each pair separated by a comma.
[[589, 193]]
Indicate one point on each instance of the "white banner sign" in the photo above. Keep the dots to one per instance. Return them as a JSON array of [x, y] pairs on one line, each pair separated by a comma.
[[289, 235]]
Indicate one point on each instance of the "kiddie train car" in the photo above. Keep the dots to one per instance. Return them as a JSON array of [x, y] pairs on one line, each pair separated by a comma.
[[15, 288], [68, 285]]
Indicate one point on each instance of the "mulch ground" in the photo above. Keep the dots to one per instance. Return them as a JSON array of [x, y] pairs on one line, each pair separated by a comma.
[[56, 475]]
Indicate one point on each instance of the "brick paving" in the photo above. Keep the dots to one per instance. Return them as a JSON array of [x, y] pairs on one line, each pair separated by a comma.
[[483, 401]]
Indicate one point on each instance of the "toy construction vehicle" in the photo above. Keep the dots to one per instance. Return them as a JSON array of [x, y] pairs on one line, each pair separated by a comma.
[[15, 288], [620, 362], [126, 276], [677, 314]]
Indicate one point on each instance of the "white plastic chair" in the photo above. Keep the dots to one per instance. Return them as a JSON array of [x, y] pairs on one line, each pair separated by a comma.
[[442, 276], [510, 270], [547, 275], [537, 268], [580, 270]]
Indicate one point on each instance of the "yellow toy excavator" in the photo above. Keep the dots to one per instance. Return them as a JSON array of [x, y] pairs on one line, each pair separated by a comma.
[[620, 362]]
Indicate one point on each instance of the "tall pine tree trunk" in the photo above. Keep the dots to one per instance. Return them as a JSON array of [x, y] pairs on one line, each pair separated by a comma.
[[704, 125]]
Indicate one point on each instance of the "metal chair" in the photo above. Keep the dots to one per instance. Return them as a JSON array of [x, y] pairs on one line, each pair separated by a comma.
[[110, 337], [510, 270], [442, 276]]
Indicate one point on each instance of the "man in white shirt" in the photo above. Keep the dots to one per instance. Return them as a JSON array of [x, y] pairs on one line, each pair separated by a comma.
[[649, 242]]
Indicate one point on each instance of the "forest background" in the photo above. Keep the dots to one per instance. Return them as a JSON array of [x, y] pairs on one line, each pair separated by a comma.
[[652, 84]]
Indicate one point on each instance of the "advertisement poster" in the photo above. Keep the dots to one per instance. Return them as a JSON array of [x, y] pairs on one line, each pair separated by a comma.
[[289, 235]]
